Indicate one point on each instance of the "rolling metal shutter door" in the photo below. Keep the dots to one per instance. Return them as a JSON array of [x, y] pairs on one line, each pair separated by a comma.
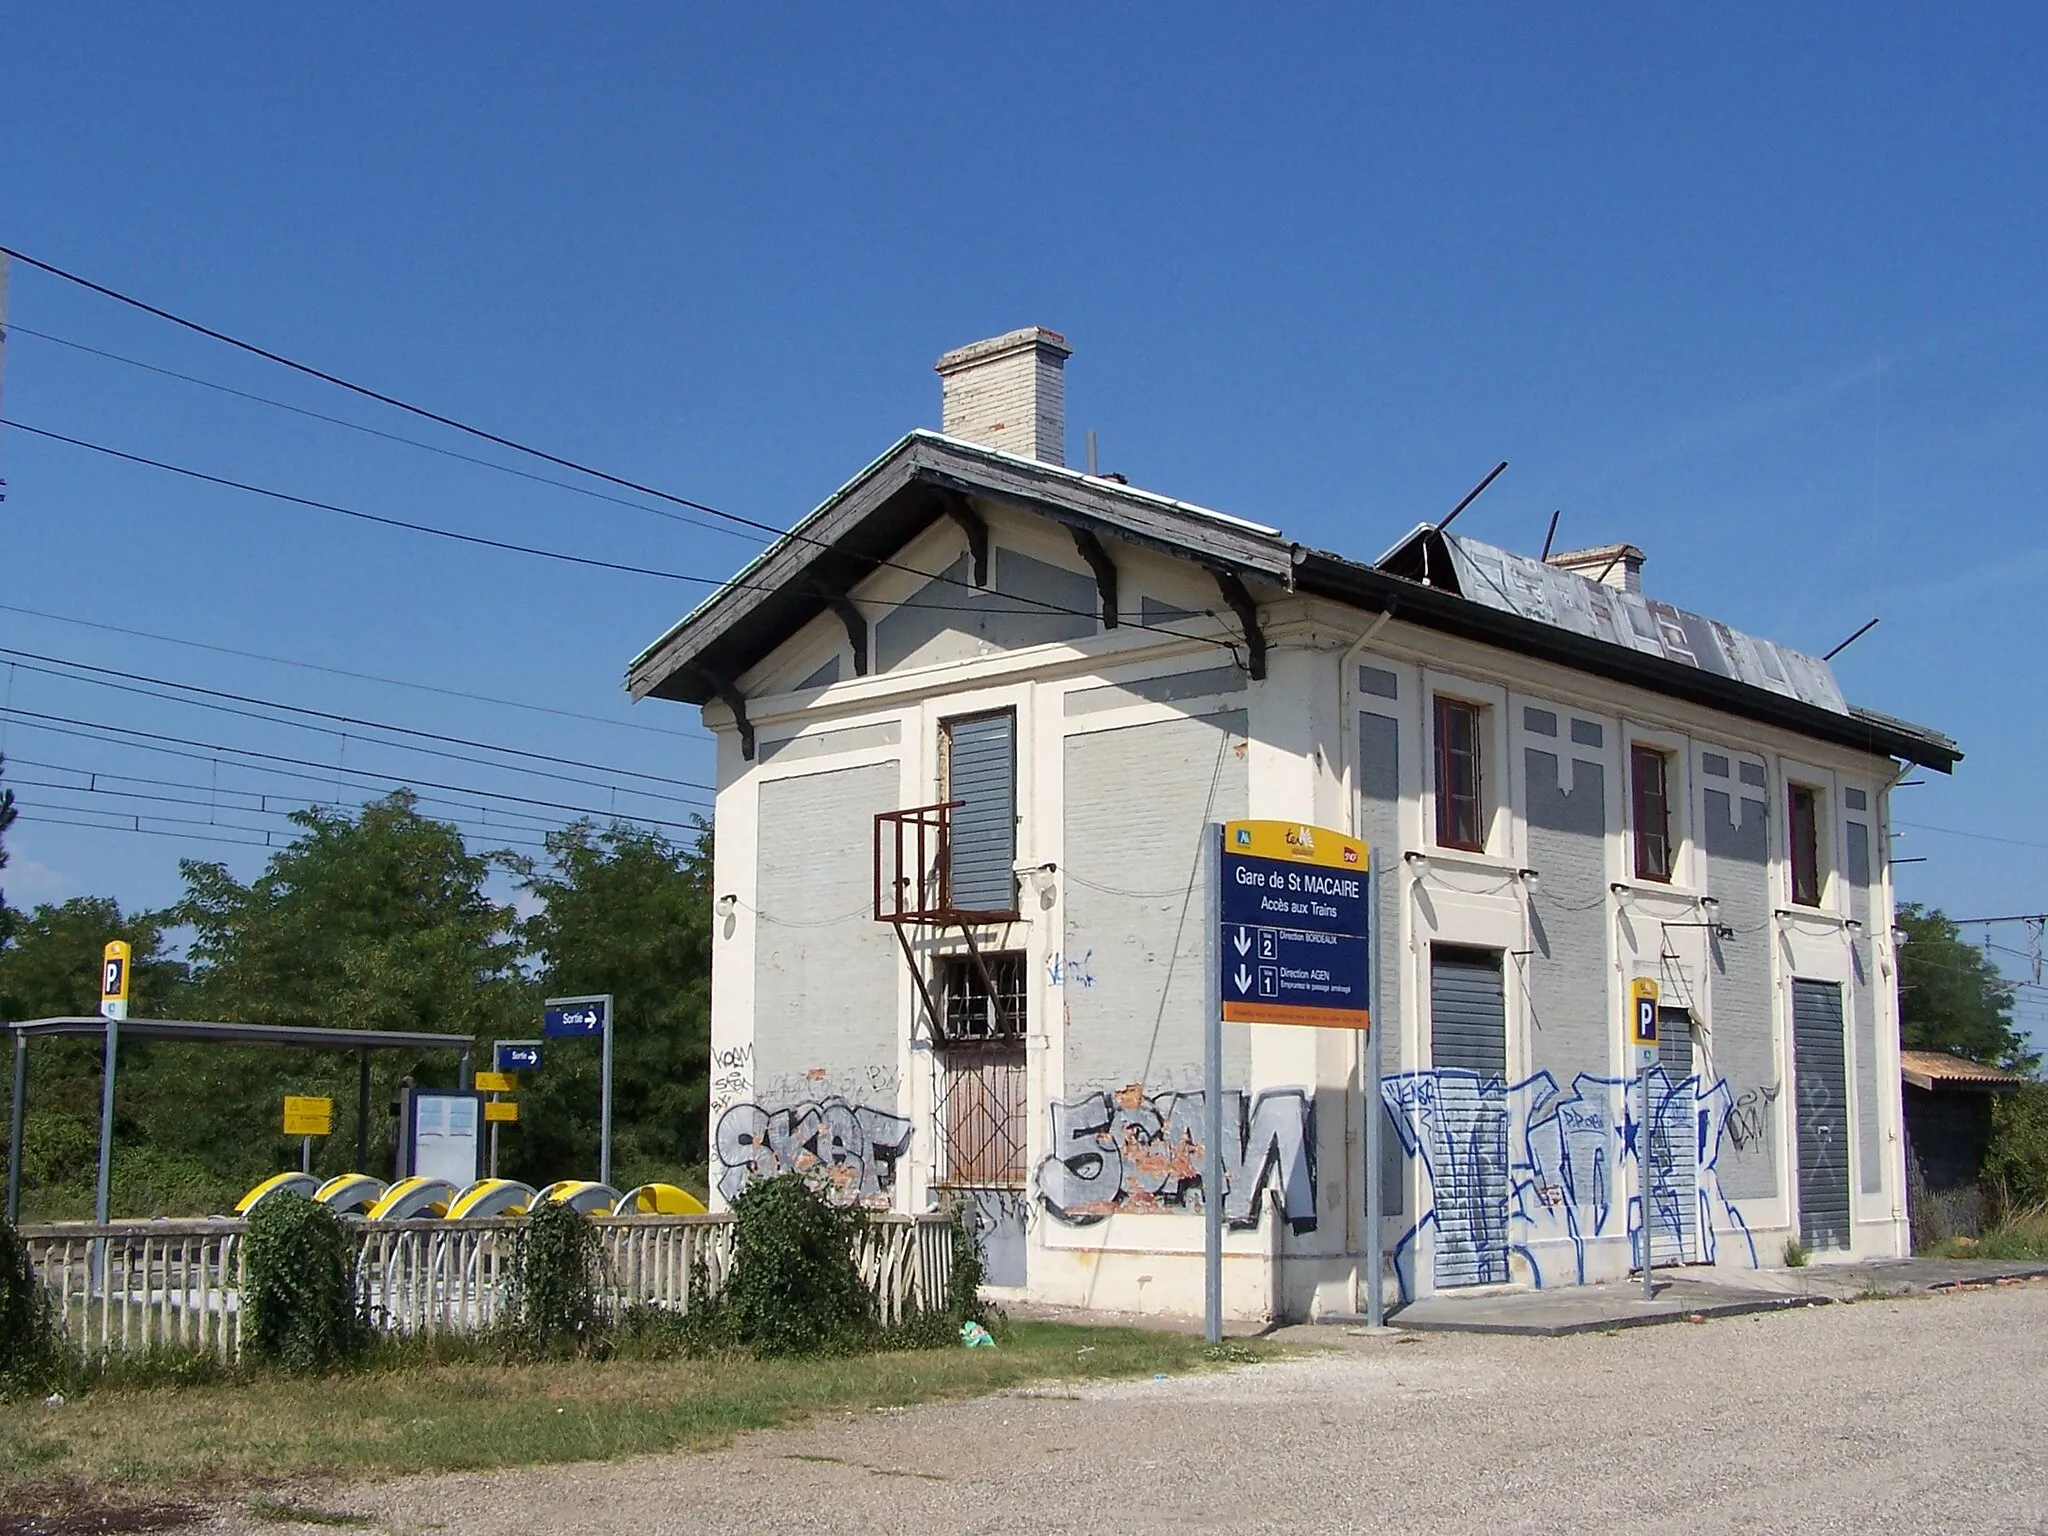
[[1469, 1159], [981, 770], [1675, 1146], [1820, 1078]]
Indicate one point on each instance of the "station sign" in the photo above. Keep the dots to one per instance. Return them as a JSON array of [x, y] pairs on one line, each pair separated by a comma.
[[1642, 1019], [517, 1056], [573, 1018], [1293, 942], [495, 1082], [114, 968]]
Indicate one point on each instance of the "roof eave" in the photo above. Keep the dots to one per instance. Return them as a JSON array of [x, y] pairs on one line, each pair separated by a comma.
[[1362, 586]]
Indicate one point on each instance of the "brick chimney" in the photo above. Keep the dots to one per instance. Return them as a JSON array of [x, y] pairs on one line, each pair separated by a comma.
[[1009, 392], [1614, 565]]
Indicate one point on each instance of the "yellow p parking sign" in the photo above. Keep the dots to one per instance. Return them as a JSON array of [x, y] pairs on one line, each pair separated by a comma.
[[114, 961], [1642, 1008]]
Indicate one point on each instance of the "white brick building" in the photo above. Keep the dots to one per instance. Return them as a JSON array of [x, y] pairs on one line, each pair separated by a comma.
[[1568, 785]]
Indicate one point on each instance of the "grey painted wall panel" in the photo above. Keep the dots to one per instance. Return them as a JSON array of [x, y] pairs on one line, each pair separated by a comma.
[[1206, 683], [1568, 974], [1379, 682], [825, 973], [1132, 969], [1539, 722], [1738, 1036], [949, 618], [855, 738]]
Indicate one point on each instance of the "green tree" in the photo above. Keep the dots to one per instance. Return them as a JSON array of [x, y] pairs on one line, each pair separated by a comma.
[[622, 910], [7, 815], [1951, 997], [51, 965], [372, 920], [376, 919]]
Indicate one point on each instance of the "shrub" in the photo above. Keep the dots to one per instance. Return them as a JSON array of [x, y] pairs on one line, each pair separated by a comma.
[[794, 1288], [298, 1289], [28, 1327], [2016, 1160], [554, 1289], [1796, 1254], [937, 1326]]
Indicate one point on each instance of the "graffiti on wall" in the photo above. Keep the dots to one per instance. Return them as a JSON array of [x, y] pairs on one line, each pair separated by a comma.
[[1122, 1150], [849, 1150], [1533, 1170]]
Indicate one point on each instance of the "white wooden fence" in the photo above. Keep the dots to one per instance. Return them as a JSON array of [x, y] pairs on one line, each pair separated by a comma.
[[176, 1285]]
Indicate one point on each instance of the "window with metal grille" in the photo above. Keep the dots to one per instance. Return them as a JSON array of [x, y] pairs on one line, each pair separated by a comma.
[[1460, 821], [981, 998], [1651, 772], [1803, 824]]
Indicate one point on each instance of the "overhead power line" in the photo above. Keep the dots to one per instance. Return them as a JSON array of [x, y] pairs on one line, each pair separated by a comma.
[[361, 677], [65, 725], [134, 824], [321, 714], [484, 435], [389, 437]]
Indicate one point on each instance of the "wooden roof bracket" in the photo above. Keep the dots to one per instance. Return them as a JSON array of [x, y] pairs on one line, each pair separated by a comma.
[[730, 697], [855, 621], [972, 524], [1231, 585], [1104, 568]]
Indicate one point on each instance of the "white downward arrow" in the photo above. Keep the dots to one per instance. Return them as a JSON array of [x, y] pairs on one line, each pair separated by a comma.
[[1243, 941], [1243, 978]]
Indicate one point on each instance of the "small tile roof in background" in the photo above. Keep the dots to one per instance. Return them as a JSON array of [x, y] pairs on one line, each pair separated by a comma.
[[1929, 1069]]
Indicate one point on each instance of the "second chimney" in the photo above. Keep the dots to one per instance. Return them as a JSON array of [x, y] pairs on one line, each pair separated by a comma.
[[1009, 392], [1612, 565]]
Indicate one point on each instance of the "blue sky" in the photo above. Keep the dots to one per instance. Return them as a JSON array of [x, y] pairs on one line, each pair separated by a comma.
[[1760, 293]]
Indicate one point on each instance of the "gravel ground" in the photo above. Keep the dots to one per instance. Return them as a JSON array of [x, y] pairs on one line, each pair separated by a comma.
[[1914, 1415]]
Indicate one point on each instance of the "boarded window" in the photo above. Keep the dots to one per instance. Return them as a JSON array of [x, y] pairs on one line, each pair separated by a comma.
[[1650, 773], [1459, 823], [1804, 825], [978, 768]]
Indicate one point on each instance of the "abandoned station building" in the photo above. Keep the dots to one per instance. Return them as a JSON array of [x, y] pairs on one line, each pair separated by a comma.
[[972, 716]]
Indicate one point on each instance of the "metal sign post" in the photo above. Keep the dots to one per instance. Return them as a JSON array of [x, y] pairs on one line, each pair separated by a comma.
[[1642, 998], [1291, 935], [1375, 1113], [114, 968], [578, 1018], [1212, 1092]]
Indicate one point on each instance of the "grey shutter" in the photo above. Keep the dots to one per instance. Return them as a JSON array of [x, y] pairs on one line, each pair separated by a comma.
[[982, 772], [1469, 1151], [1675, 1145], [1468, 1015], [1820, 1079]]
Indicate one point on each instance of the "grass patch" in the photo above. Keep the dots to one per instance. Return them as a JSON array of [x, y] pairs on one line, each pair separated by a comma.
[[2019, 1237], [215, 1438]]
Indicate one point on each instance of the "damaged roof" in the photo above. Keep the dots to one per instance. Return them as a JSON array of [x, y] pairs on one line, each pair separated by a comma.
[[1432, 579], [1938, 1069]]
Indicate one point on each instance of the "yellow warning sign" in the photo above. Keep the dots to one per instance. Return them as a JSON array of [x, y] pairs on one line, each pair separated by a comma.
[[308, 1116]]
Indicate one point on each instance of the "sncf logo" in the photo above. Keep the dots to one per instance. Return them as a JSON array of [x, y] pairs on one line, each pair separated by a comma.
[[1350, 854]]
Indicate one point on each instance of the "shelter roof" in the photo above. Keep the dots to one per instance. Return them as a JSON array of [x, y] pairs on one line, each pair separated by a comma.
[[305, 1036], [1938, 1069]]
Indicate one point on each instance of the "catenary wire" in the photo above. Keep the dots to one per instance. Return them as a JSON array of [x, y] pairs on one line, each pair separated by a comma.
[[58, 723], [231, 826], [1032, 604], [28, 657], [518, 447], [361, 677], [389, 437]]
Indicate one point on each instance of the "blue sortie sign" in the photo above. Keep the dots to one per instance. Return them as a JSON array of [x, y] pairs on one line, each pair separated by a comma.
[[518, 1058], [575, 1021]]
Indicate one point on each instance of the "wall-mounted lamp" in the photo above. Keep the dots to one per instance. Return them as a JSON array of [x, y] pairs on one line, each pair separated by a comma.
[[1418, 862], [1530, 879], [1723, 931], [1852, 924], [727, 905], [1618, 887], [1782, 912], [1711, 903]]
